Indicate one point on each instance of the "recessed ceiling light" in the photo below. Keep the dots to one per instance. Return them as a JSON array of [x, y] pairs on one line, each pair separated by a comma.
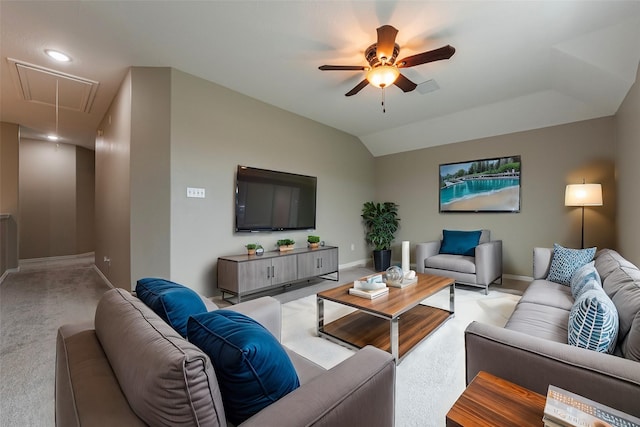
[[52, 137], [58, 56]]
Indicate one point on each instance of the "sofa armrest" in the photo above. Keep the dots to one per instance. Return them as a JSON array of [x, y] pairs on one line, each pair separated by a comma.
[[265, 310], [358, 391], [541, 262], [534, 363], [424, 251], [488, 262]]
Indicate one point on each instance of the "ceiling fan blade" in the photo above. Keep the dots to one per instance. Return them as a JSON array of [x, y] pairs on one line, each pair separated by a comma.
[[386, 41], [358, 88], [444, 52], [405, 84], [342, 68]]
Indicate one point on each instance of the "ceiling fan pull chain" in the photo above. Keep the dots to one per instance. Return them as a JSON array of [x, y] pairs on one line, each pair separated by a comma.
[[384, 110]]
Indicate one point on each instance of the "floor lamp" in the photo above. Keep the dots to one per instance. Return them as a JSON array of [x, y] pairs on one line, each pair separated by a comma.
[[583, 195]]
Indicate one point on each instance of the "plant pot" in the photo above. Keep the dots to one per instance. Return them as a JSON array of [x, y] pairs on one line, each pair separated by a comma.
[[382, 259], [314, 245], [285, 248], [251, 251]]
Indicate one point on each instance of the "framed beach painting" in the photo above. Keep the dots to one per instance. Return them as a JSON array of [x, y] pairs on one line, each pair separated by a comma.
[[485, 185]]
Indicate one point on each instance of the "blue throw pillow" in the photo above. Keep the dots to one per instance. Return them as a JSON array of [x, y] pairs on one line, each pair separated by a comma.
[[585, 277], [593, 322], [173, 302], [459, 242], [252, 367], [566, 261]]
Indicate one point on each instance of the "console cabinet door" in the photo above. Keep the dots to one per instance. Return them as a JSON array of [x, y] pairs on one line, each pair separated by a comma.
[[317, 263], [284, 269], [254, 275]]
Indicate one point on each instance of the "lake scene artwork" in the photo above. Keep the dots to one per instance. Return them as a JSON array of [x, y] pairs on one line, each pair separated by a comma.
[[486, 185]]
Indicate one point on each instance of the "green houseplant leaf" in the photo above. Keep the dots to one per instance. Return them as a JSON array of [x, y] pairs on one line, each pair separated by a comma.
[[381, 222]]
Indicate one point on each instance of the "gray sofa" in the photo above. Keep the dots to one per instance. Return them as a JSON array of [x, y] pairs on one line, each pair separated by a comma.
[[130, 368], [532, 349], [480, 270]]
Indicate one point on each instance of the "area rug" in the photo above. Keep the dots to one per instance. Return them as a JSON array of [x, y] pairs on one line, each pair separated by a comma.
[[431, 377]]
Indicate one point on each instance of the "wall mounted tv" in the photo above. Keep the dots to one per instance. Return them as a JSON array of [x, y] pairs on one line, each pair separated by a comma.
[[268, 200]]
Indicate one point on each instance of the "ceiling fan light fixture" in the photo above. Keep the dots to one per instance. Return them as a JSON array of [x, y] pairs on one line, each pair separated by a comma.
[[52, 137], [383, 75]]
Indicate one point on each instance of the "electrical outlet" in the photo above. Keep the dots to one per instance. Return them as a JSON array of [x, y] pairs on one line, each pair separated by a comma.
[[353, 247], [197, 193]]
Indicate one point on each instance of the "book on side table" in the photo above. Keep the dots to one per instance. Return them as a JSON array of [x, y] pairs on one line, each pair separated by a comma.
[[566, 409]]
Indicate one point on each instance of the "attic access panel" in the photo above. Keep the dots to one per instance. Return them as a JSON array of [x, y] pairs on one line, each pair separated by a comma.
[[38, 84]]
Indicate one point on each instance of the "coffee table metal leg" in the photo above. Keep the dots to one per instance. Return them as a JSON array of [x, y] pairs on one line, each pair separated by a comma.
[[320, 303], [452, 303], [394, 339]]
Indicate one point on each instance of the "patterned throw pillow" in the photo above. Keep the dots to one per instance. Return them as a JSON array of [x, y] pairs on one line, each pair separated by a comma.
[[566, 261], [585, 277], [593, 322]]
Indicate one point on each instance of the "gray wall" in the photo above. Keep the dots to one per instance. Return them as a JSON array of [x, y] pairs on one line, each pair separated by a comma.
[[212, 130], [112, 201], [56, 199], [628, 173], [551, 158]]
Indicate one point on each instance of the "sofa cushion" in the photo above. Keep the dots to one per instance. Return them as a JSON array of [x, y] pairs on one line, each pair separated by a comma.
[[253, 368], [584, 278], [171, 301], [540, 321], [593, 322], [566, 261], [166, 380], [456, 242], [548, 293], [460, 263], [623, 287]]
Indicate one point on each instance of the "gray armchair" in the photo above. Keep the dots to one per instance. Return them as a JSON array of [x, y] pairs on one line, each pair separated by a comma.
[[480, 270]]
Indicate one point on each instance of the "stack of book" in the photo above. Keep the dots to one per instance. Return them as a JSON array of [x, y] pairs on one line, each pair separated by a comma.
[[566, 409], [369, 287]]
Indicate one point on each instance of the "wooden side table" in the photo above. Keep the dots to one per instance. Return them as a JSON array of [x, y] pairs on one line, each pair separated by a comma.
[[492, 401]]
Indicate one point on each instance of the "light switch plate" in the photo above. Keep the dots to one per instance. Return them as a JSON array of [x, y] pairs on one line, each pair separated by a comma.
[[197, 193]]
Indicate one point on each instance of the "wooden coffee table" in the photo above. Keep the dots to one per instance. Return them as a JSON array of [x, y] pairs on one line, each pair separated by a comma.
[[494, 402], [396, 322]]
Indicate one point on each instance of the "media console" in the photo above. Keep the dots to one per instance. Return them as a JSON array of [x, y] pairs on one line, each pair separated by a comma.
[[242, 275]]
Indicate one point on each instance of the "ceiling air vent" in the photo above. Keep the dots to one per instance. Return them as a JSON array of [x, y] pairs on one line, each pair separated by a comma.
[[428, 86], [38, 84]]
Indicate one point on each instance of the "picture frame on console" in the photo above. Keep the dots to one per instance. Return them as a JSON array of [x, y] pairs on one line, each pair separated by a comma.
[[483, 185]]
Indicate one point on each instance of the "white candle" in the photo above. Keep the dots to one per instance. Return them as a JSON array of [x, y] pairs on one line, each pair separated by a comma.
[[405, 256]]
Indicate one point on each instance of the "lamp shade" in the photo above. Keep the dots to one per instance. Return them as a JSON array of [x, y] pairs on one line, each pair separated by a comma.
[[583, 195], [383, 75]]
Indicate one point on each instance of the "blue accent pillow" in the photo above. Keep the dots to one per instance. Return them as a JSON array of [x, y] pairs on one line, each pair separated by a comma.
[[593, 322], [173, 302], [456, 242], [585, 277], [252, 367], [566, 261]]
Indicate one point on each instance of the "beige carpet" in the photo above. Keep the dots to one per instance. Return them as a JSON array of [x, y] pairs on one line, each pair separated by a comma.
[[431, 377]]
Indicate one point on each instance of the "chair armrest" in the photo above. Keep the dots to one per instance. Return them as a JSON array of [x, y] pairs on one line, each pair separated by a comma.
[[488, 262], [534, 363], [541, 262], [424, 251], [358, 391], [265, 310]]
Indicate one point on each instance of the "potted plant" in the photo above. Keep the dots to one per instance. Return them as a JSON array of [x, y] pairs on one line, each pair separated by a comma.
[[251, 248], [285, 244], [313, 241], [381, 222]]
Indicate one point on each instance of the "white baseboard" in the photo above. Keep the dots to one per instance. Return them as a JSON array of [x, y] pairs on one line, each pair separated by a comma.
[[517, 277], [358, 263], [7, 271], [30, 261], [103, 277]]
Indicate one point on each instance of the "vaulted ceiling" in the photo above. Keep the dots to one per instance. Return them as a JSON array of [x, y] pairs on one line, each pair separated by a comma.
[[518, 65]]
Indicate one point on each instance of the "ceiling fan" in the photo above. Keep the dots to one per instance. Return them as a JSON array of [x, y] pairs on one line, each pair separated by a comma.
[[383, 70]]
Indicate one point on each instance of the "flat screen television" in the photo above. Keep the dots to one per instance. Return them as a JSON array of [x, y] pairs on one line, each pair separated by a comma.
[[269, 200]]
